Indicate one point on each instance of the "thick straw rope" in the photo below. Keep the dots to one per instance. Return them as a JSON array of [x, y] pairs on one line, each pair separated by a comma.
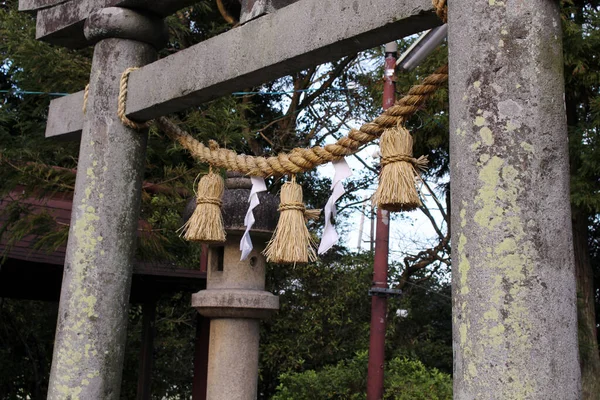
[[123, 101], [305, 159], [299, 159], [441, 9]]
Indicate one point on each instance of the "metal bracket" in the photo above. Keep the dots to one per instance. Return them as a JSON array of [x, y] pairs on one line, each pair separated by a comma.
[[384, 292]]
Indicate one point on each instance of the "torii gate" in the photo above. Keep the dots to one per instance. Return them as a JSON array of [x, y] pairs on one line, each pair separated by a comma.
[[515, 328]]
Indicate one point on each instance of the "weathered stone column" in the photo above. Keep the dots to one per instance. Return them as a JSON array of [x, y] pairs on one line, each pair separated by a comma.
[[235, 298], [515, 327], [92, 322]]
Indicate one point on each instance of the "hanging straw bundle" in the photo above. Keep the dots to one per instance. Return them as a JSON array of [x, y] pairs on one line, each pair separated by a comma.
[[292, 242], [397, 190], [206, 223]]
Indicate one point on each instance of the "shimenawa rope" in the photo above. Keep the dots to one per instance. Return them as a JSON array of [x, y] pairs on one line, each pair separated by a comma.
[[304, 159]]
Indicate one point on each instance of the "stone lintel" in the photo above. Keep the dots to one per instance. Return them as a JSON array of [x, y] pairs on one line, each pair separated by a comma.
[[235, 303], [62, 24], [306, 33], [314, 32]]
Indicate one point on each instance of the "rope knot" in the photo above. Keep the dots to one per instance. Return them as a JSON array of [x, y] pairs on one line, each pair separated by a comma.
[[292, 206], [209, 200], [419, 163], [311, 214]]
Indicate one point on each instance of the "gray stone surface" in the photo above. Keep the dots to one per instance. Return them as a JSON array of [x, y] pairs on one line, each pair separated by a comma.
[[63, 24], [122, 23], [235, 303], [91, 332], [233, 359], [65, 117], [236, 300], [31, 5], [300, 35], [255, 8], [514, 300]]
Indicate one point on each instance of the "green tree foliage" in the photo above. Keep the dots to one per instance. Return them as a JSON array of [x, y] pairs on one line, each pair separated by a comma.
[[582, 76], [325, 315], [405, 380], [26, 337]]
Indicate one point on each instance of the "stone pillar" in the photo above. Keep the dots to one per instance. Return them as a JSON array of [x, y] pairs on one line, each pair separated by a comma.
[[91, 332], [235, 299], [514, 302]]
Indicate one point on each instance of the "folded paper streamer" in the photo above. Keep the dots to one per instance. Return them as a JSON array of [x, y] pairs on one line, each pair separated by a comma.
[[330, 236], [258, 185]]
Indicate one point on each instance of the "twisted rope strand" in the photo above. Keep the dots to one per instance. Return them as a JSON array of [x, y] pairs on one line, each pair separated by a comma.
[[86, 94], [305, 159], [123, 102], [441, 9]]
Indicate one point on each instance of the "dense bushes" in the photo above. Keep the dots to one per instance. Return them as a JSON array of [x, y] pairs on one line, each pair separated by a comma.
[[405, 379]]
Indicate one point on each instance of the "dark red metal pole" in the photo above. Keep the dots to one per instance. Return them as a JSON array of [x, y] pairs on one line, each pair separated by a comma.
[[380, 264]]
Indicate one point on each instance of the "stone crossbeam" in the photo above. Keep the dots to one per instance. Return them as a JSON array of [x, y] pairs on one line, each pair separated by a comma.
[[65, 117], [61, 22], [313, 31]]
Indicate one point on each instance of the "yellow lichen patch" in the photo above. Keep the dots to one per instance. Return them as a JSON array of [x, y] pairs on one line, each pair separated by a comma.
[[487, 136], [488, 214], [463, 265], [472, 369], [491, 314], [463, 333], [511, 127], [504, 313], [527, 147], [81, 305], [479, 121], [477, 84]]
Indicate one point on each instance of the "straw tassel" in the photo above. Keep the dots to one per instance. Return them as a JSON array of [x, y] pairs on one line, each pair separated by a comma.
[[397, 190], [292, 242], [206, 223]]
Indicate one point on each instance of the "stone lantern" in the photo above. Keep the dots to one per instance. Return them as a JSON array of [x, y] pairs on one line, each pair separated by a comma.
[[235, 298]]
